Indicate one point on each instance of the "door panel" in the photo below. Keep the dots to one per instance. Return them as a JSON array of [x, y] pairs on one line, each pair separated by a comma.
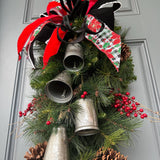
[[143, 39], [146, 142]]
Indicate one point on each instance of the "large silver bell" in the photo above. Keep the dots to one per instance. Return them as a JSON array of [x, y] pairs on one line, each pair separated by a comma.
[[59, 89], [57, 148], [86, 119], [73, 59]]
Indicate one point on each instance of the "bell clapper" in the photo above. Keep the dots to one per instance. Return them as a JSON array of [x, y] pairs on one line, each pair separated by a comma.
[[64, 93], [74, 65]]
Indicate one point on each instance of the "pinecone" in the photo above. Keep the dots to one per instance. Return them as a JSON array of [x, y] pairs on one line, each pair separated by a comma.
[[108, 154], [36, 153], [125, 52]]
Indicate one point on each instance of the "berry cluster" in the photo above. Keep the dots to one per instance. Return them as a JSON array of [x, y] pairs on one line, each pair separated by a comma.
[[84, 94], [30, 108], [128, 105]]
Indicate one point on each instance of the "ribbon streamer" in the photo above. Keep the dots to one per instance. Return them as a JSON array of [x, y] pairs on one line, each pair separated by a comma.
[[106, 41]]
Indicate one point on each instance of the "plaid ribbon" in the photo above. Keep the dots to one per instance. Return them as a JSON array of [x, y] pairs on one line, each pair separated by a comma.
[[106, 41]]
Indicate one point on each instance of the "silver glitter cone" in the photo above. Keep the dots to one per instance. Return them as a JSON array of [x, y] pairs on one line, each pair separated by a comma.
[[59, 89], [57, 148], [73, 59], [86, 119]]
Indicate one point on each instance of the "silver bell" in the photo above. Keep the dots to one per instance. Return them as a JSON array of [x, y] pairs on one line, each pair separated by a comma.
[[57, 148], [73, 59], [59, 89], [86, 119]]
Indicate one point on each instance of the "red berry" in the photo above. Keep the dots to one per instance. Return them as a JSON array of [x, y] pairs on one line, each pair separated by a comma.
[[142, 116], [126, 103], [128, 108], [115, 106], [31, 112], [29, 105], [131, 111], [123, 98], [20, 115], [127, 93], [121, 113], [134, 108], [137, 103], [145, 115], [126, 98], [48, 123], [135, 114], [20, 112], [133, 105], [119, 94], [128, 114], [85, 93], [24, 114], [141, 110], [133, 97], [129, 101], [123, 107], [82, 96], [119, 110], [118, 105]]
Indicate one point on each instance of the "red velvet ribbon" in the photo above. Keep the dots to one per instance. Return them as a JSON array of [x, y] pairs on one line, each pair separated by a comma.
[[53, 45]]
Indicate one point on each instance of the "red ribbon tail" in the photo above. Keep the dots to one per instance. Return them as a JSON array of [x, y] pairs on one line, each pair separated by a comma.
[[91, 4], [31, 27], [52, 46], [52, 5]]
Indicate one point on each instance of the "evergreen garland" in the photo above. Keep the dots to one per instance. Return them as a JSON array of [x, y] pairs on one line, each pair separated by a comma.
[[101, 80]]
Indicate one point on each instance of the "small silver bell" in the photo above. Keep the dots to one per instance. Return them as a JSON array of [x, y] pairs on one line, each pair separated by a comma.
[[73, 59], [59, 89], [86, 119], [57, 148]]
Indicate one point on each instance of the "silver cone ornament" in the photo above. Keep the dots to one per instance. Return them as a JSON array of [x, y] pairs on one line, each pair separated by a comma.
[[59, 89], [86, 119], [73, 59], [57, 148]]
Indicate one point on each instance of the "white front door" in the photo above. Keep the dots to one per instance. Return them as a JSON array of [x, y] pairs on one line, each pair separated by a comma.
[[141, 16]]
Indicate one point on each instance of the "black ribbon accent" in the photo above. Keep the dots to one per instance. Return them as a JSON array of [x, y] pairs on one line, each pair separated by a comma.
[[116, 4]]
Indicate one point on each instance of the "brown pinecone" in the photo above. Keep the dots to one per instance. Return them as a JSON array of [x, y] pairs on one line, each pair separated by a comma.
[[109, 154], [125, 52], [36, 153]]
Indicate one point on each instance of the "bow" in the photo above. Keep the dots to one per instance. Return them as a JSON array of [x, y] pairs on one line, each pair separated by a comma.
[[56, 22]]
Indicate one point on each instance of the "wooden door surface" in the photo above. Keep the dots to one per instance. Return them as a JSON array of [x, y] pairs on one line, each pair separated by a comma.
[[141, 16]]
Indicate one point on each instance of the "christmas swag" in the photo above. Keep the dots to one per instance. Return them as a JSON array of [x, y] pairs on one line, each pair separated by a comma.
[[81, 104]]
